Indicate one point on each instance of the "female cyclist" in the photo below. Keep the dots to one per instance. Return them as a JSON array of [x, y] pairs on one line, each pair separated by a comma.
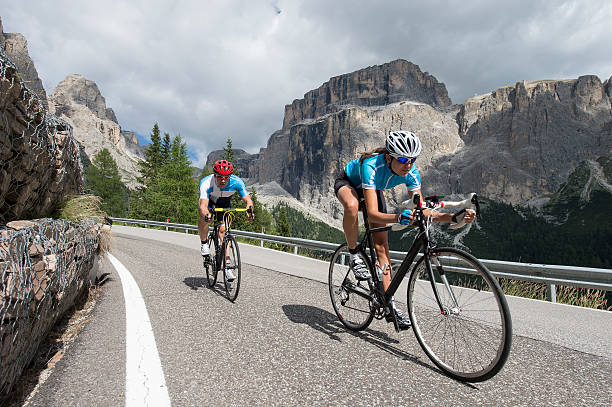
[[375, 171]]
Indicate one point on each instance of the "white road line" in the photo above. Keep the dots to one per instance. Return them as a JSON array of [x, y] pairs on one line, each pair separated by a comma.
[[145, 384]]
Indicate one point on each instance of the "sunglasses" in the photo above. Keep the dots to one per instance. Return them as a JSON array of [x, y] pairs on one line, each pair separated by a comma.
[[222, 176], [405, 160]]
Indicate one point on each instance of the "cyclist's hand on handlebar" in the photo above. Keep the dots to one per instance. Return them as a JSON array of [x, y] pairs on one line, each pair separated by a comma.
[[405, 218], [207, 217], [250, 213], [470, 215], [465, 215]]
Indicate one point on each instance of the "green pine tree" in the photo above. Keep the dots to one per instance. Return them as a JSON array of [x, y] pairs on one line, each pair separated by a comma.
[[153, 158], [166, 147], [229, 155], [171, 192], [102, 179]]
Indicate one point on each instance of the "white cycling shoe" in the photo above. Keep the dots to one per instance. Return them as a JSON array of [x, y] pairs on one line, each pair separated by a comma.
[[204, 249], [229, 276]]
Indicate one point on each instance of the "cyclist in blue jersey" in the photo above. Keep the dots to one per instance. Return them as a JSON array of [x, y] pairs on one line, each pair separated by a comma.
[[216, 190], [375, 171]]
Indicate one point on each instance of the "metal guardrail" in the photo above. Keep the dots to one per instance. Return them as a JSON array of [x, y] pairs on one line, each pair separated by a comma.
[[551, 275]]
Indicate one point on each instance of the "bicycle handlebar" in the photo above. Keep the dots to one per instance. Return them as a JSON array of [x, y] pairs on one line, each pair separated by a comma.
[[435, 202]]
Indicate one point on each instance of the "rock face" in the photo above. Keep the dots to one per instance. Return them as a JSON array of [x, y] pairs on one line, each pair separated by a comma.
[[346, 116], [522, 141], [241, 162], [306, 159], [378, 85], [79, 101], [516, 144], [15, 47], [39, 158]]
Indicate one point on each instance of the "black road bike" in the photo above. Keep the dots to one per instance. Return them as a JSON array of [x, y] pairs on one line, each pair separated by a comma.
[[458, 311], [224, 256]]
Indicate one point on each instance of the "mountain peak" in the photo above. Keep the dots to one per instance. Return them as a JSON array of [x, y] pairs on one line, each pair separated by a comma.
[[76, 89], [377, 85]]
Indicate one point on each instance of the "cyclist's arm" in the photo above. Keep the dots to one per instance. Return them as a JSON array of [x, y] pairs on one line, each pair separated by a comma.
[[249, 204], [374, 215], [204, 207], [444, 216]]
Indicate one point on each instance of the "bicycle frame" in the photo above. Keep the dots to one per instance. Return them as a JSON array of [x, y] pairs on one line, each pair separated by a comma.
[[420, 244], [228, 217]]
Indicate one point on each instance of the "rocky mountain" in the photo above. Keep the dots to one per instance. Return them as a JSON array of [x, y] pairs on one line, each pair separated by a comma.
[[521, 142], [15, 46], [345, 116], [242, 159], [516, 145], [377, 85], [79, 101]]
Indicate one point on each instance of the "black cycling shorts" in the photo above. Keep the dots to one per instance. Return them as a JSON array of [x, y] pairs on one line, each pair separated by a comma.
[[224, 202], [344, 180]]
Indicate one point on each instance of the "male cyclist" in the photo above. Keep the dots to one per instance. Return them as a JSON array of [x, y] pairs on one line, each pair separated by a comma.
[[216, 190], [377, 170]]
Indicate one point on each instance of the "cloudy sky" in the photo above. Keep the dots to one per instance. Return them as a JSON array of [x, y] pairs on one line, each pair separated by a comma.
[[210, 70]]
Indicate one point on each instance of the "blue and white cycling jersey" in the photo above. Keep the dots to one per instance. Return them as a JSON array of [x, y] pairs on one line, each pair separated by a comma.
[[221, 197], [375, 173]]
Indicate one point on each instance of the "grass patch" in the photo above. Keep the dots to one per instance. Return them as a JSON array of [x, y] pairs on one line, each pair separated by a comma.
[[583, 297]]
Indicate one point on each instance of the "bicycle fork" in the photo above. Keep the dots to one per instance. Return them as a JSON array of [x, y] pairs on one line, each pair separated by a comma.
[[455, 309]]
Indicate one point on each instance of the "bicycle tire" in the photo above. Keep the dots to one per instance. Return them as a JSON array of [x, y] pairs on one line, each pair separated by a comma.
[[351, 299], [231, 287], [210, 263], [469, 343]]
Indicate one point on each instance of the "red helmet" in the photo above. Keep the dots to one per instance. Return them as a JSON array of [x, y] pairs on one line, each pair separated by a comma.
[[223, 167]]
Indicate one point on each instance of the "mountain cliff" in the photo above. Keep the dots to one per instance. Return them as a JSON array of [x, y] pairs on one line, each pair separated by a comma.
[[15, 47], [79, 101], [516, 144], [377, 85], [521, 142]]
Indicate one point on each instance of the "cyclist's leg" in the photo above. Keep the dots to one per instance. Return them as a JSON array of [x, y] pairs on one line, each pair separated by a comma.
[[349, 198], [381, 243], [202, 227]]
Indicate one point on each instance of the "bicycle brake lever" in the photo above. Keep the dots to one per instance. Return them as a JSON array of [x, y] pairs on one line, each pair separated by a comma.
[[468, 203]]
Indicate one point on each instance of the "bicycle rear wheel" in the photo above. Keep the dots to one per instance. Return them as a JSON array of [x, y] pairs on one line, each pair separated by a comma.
[[350, 298], [470, 338], [231, 265], [211, 263]]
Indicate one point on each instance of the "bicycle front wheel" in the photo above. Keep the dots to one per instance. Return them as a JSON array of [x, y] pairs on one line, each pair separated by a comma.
[[467, 331], [210, 263], [231, 267], [350, 298]]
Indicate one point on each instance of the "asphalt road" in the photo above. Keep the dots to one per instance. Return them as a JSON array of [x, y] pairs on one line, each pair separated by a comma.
[[280, 344]]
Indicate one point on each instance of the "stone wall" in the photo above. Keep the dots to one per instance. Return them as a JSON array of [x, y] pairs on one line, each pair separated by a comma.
[[39, 158], [44, 267]]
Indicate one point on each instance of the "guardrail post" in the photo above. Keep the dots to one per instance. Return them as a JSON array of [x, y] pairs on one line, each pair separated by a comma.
[[343, 260], [551, 293], [295, 249]]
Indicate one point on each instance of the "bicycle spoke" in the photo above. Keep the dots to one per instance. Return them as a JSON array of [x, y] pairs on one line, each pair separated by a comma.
[[351, 300], [469, 340]]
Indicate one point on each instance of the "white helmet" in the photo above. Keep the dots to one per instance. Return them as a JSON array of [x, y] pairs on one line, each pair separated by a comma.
[[403, 143]]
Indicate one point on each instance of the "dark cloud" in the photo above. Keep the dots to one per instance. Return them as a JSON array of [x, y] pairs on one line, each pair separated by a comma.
[[217, 69]]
